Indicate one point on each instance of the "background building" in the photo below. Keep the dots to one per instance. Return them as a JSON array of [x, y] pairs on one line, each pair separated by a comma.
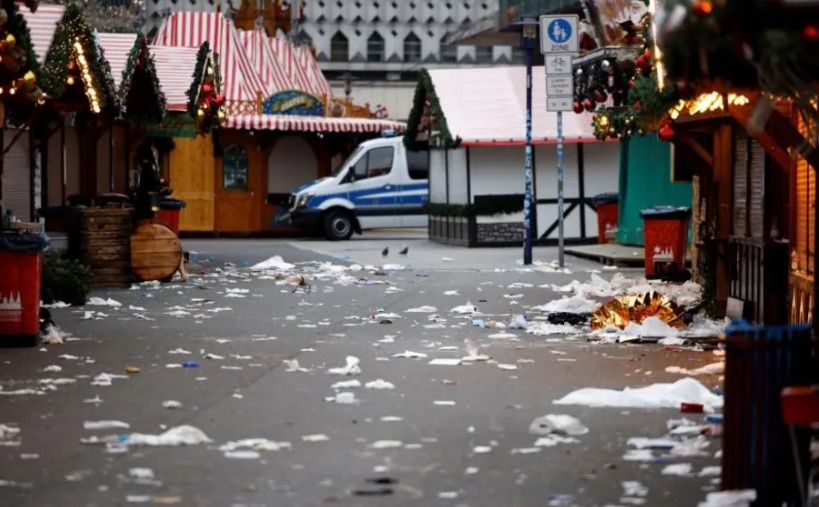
[[373, 49]]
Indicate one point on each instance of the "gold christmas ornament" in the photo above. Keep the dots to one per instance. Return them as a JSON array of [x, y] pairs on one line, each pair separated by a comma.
[[624, 309], [220, 115], [11, 41], [200, 114]]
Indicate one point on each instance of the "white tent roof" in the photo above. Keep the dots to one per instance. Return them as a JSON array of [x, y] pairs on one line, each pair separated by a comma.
[[488, 106]]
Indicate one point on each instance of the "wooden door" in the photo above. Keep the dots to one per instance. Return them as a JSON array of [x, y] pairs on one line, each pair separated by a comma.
[[238, 185], [192, 180]]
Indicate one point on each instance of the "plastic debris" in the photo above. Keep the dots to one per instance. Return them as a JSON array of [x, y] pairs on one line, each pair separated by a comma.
[[190, 364], [320, 437], [386, 444], [180, 435], [709, 369], [52, 369], [273, 263], [255, 444], [408, 354], [242, 454], [518, 322], [145, 474], [482, 449], [54, 335], [345, 398], [98, 301], [574, 304], [467, 309], [379, 384], [445, 361], [685, 390], [293, 366], [510, 367], [680, 469], [351, 368], [346, 384], [105, 425], [557, 423], [738, 498], [105, 379], [171, 404], [422, 309]]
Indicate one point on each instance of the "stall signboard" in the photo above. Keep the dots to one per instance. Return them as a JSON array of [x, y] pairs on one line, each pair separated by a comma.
[[293, 103]]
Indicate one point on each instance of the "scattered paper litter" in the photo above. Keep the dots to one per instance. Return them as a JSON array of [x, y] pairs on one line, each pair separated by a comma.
[[422, 309], [68, 357], [52, 369], [391, 418], [652, 327], [711, 471], [393, 267], [386, 444], [444, 403], [105, 379], [141, 473], [351, 368], [98, 301], [54, 335], [467, 309], [447, 495], [672, 341], [255, 444], [445, 361], [557, 423], [681, 469], [379, 384], [540, 328], [56, 304], [243, 454], [451, 293], [345, 398], [739, 498], [709, 369], [179, 351], [408, 354], [482, 449], [96, 400], [180, 435], [502, 336], [346, 384], [171, 404], [654, 396], [634, 489], [105, 425], [275, 262], [320, 437], [511, 367], [553, 440], [575, 304], [293, 365]]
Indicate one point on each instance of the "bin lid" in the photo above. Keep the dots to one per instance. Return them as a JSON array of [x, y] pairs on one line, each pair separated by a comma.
[[604, 198], [168, 203], [666, 212], [23, 243]]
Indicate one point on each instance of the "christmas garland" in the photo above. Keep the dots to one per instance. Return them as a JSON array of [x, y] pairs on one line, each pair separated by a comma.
[[72, 27], [196, 80], [426, 102], [140, 92], [23, 78]]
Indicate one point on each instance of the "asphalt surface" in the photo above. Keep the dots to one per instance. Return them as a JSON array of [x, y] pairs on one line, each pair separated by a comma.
[[250, 394]]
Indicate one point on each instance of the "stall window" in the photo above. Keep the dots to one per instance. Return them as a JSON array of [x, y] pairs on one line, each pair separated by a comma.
[[376, 162], [418, 164], [235, 168]]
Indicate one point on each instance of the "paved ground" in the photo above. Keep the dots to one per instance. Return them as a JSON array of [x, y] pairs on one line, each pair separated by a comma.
[[250, 394]]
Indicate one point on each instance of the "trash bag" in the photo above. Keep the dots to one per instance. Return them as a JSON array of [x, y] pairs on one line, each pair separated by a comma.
[[23, 243], [572, 319]]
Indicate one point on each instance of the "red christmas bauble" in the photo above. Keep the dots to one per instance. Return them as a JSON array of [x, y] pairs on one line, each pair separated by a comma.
[[207, 88], [588, 105], [702, 8], [577, 107], [811, 33], [600, 96], [638, 105], [666, 133]]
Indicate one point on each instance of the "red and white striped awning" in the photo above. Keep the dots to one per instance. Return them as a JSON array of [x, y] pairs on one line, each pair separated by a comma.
[[318, 83], [311, 124], [174, 68], [285, 57], [42, 25], [116, 47], [241, 81], [259, 52]]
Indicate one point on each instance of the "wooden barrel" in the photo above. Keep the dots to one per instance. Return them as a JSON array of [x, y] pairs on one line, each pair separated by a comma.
[[102, 241], [155, 251]]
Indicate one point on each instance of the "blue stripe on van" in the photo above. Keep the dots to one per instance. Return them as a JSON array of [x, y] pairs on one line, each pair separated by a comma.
[[363, 197]]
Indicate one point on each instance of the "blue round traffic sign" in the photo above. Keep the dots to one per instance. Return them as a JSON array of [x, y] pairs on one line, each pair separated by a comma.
[[559, 31]]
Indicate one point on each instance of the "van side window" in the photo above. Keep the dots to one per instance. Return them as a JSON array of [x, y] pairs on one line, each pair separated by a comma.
[[418, 164], [376, 162]]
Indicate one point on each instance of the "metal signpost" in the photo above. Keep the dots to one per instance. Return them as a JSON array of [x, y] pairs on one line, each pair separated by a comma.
[[558, 41]]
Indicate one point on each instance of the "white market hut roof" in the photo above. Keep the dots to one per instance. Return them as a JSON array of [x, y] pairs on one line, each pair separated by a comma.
[[116, 47], [42, 25], [487, 106]]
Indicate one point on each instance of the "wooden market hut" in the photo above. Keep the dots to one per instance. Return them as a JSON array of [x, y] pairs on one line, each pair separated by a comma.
[[263, 150], [476, 140]]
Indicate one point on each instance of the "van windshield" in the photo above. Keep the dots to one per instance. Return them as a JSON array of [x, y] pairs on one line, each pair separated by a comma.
[[346, 162]]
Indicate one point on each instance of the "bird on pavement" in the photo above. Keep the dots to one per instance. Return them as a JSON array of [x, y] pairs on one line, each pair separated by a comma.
[[386, 251], [405, 251]]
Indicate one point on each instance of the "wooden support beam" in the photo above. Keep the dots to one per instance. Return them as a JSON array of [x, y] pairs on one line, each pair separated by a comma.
[[698, 149], [723, 161]]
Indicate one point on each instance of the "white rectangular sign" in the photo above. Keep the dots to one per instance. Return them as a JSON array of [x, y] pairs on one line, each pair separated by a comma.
[[558, 85], [558, 64], [556, 104], [558, 34]]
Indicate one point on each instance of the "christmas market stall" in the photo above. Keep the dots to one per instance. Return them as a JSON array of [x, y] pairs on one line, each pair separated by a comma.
[[281, 128], [611, 81], [475, 138]]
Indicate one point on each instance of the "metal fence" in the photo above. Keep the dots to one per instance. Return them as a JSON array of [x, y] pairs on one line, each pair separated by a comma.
[[760, 362]]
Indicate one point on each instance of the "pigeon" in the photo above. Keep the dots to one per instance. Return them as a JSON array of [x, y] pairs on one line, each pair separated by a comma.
[[405, 251], [386, 251]]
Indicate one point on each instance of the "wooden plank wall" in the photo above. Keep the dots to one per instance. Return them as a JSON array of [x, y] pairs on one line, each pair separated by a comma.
[[192, 180]]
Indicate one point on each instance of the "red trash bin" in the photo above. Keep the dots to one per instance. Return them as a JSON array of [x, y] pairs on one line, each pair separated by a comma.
[[608, 217], [20, 284], [666, 240], [169, 210]]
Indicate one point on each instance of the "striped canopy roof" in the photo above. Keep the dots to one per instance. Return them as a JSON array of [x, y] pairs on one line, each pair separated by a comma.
[[42, 25], [116, 47], [241, 82]]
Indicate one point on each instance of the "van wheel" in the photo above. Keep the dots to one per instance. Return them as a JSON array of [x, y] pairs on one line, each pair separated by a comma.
[[338, 225]]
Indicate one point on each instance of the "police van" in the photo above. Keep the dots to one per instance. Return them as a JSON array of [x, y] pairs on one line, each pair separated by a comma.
[[382, 184]]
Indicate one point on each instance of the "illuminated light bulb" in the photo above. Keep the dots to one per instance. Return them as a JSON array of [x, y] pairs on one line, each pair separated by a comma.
[[70, 80], [12, 91]]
